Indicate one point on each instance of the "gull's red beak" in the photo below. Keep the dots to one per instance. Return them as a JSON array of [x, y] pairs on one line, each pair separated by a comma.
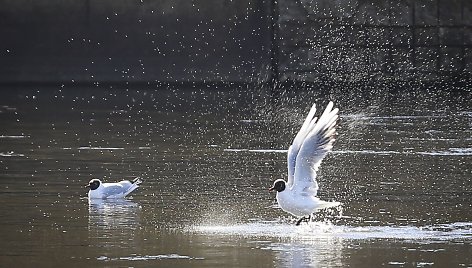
[[271, 189]]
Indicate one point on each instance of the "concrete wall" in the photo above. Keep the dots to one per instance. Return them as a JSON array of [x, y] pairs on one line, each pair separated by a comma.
[[356, 40], [132, 40], [96, 41]]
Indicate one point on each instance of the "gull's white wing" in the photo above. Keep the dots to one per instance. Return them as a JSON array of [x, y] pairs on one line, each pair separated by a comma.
[[120, 189], [297, 143], [316, 144], [113, 189]]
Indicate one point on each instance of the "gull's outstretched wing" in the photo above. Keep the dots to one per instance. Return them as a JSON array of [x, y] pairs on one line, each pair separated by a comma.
[[297, 144], [317, 142]]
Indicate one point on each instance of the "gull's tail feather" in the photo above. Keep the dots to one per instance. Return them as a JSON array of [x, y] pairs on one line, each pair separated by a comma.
[[136, 182]]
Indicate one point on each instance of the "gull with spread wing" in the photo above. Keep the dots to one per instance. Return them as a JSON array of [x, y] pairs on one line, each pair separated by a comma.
[[315, 139]]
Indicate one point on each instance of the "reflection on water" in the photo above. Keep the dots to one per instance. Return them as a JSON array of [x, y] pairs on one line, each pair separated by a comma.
[[113, 220], [401, 167], [113, 213]]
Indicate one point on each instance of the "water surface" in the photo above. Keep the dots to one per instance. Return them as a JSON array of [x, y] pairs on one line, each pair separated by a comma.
[[401, 166]]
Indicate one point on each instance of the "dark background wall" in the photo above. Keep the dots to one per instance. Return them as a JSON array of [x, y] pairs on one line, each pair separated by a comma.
[[358, 40], [132, 40], [95, 41]]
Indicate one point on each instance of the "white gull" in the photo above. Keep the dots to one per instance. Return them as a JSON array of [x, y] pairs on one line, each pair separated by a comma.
[[111, 190], [315, 139]]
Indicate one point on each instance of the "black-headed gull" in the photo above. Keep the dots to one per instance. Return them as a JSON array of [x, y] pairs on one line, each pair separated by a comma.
[[100, 190], [315, 139]]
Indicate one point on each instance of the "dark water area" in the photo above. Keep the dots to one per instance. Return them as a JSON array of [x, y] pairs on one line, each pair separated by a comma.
[[401, 167]]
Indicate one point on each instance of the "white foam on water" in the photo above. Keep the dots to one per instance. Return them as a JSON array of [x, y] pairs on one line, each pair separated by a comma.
[[335, 152], [11, 154], [247, 121], [365, 152], [450, 152], [396, 263], [148, 257], [104, 148], [321, 230], [423, 264], [100, 148], [256, 150], [394, 117], [13, 137]]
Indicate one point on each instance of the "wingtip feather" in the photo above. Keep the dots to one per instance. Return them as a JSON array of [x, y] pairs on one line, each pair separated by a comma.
[[138, 181]]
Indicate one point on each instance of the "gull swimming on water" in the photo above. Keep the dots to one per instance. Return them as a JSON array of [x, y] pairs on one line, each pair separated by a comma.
[[315, 139], [111, 190]]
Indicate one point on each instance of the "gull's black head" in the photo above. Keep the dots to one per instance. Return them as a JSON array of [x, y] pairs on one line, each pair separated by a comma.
[[279, 185], [94, 184]]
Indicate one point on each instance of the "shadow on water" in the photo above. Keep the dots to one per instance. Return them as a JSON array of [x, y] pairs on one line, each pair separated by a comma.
[[401, 167]]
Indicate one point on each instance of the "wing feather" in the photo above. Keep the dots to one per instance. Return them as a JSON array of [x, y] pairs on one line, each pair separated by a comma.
[[315, 145], [297, 143], [112, 189]]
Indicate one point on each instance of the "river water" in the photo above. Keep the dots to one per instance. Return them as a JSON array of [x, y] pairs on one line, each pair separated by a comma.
[[401, 167]]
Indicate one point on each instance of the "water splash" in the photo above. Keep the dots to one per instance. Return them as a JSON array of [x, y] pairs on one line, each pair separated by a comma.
[[323, 230]]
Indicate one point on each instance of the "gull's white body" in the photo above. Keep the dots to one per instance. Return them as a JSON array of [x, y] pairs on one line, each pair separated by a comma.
[[314, 140], [301, 205], [113, 190]]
